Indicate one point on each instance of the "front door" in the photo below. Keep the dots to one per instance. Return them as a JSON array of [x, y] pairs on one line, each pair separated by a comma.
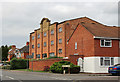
[[80, 63]]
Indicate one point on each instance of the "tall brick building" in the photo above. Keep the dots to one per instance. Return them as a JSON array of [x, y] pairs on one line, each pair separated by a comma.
[[51, 39], [87, 43]]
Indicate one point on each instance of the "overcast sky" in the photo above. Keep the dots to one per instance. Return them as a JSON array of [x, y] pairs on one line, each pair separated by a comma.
[[21, 18]]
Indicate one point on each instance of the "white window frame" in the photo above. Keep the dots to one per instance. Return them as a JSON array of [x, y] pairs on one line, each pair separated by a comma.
[[104, 42], [105, 58], [75, 45]]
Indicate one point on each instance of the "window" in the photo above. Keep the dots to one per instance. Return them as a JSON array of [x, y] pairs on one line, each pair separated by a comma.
[[52, 32], [60, 50], [75, 45], [44, 44], [106, 43], [106, 61], [45, 34], [38, 56], [38, 45], [38, 36], [32, 55], [52, 54], [32, 37], [60, 41], [60, 29], [52, 42], [32, 46], [44, 55]]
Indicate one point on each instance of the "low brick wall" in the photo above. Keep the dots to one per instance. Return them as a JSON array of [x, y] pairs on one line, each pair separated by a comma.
[[38, 65]]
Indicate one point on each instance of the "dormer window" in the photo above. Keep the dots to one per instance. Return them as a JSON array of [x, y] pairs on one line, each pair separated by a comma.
[[106, 43]]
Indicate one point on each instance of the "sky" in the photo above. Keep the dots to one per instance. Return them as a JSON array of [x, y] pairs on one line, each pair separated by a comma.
[[21, 17]]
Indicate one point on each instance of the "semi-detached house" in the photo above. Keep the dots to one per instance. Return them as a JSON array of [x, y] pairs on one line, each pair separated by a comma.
[[87, 43]]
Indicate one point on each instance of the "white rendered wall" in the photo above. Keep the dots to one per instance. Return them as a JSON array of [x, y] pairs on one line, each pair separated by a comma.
[[92, 65]]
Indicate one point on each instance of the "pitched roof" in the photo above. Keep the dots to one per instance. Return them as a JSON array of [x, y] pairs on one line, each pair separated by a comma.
[[102, 30], [97, 29], [24, 49]]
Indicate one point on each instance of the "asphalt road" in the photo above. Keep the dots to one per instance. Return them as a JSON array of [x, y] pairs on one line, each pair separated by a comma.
[[20, 76]]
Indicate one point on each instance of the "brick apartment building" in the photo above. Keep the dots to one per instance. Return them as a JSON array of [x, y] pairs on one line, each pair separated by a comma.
[[91, 45]]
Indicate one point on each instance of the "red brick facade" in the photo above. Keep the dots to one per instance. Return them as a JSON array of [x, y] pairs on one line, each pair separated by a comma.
[[81, 30]]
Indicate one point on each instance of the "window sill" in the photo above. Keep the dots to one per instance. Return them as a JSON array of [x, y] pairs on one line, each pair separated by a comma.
[[106, 46]]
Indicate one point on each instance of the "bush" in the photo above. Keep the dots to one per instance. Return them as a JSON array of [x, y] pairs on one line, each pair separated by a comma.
[[57, 67], [18, 63], [46, 68], [54, 57]]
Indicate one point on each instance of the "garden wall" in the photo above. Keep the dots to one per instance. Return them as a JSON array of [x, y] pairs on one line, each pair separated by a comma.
[[38, 65]]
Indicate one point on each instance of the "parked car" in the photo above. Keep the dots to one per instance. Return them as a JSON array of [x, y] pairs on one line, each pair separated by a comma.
[[114, 70], [1, 64]]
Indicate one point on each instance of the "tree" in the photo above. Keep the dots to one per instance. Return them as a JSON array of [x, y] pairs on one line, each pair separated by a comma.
[[4, 52]]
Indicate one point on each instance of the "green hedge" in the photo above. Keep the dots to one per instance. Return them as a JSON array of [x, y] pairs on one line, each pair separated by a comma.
[[18, 63], [57, 67]]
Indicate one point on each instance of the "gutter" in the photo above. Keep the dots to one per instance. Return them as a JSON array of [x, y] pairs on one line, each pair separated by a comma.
[[97, 37]]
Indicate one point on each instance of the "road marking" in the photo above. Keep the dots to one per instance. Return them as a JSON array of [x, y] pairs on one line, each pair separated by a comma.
[[60, 78], [10, 77]]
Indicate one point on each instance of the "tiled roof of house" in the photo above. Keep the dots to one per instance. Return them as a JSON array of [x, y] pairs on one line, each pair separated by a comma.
[[24, 49], [97, 29], [101, 30]]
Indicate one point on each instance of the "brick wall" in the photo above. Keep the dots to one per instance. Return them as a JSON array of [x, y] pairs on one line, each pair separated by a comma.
[[39, 64]]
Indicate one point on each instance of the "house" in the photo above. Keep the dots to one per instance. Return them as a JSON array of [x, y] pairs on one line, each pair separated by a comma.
[[11, 52], [24, 51], [99, 45], [83, 41], [18, 53]]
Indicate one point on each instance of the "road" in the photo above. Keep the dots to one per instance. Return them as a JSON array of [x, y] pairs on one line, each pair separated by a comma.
[[20, 76]]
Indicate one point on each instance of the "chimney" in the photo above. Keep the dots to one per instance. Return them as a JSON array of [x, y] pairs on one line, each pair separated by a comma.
[[13, 46], [27, 43]]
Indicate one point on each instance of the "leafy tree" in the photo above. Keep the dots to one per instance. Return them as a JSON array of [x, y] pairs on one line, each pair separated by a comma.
[[4, 52]]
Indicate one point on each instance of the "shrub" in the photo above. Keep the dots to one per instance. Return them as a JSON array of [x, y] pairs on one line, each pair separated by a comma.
[[57, 66], [18, 63], [46, 68], [54, 57]]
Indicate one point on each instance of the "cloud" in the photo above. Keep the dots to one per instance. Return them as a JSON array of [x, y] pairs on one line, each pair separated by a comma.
[[19, 19]]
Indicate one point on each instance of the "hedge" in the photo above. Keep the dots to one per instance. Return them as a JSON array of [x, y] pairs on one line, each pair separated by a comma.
[[57, 67], [18, 63]]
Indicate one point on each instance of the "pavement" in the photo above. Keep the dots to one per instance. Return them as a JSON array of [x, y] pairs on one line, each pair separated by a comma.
[[21, 76]]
